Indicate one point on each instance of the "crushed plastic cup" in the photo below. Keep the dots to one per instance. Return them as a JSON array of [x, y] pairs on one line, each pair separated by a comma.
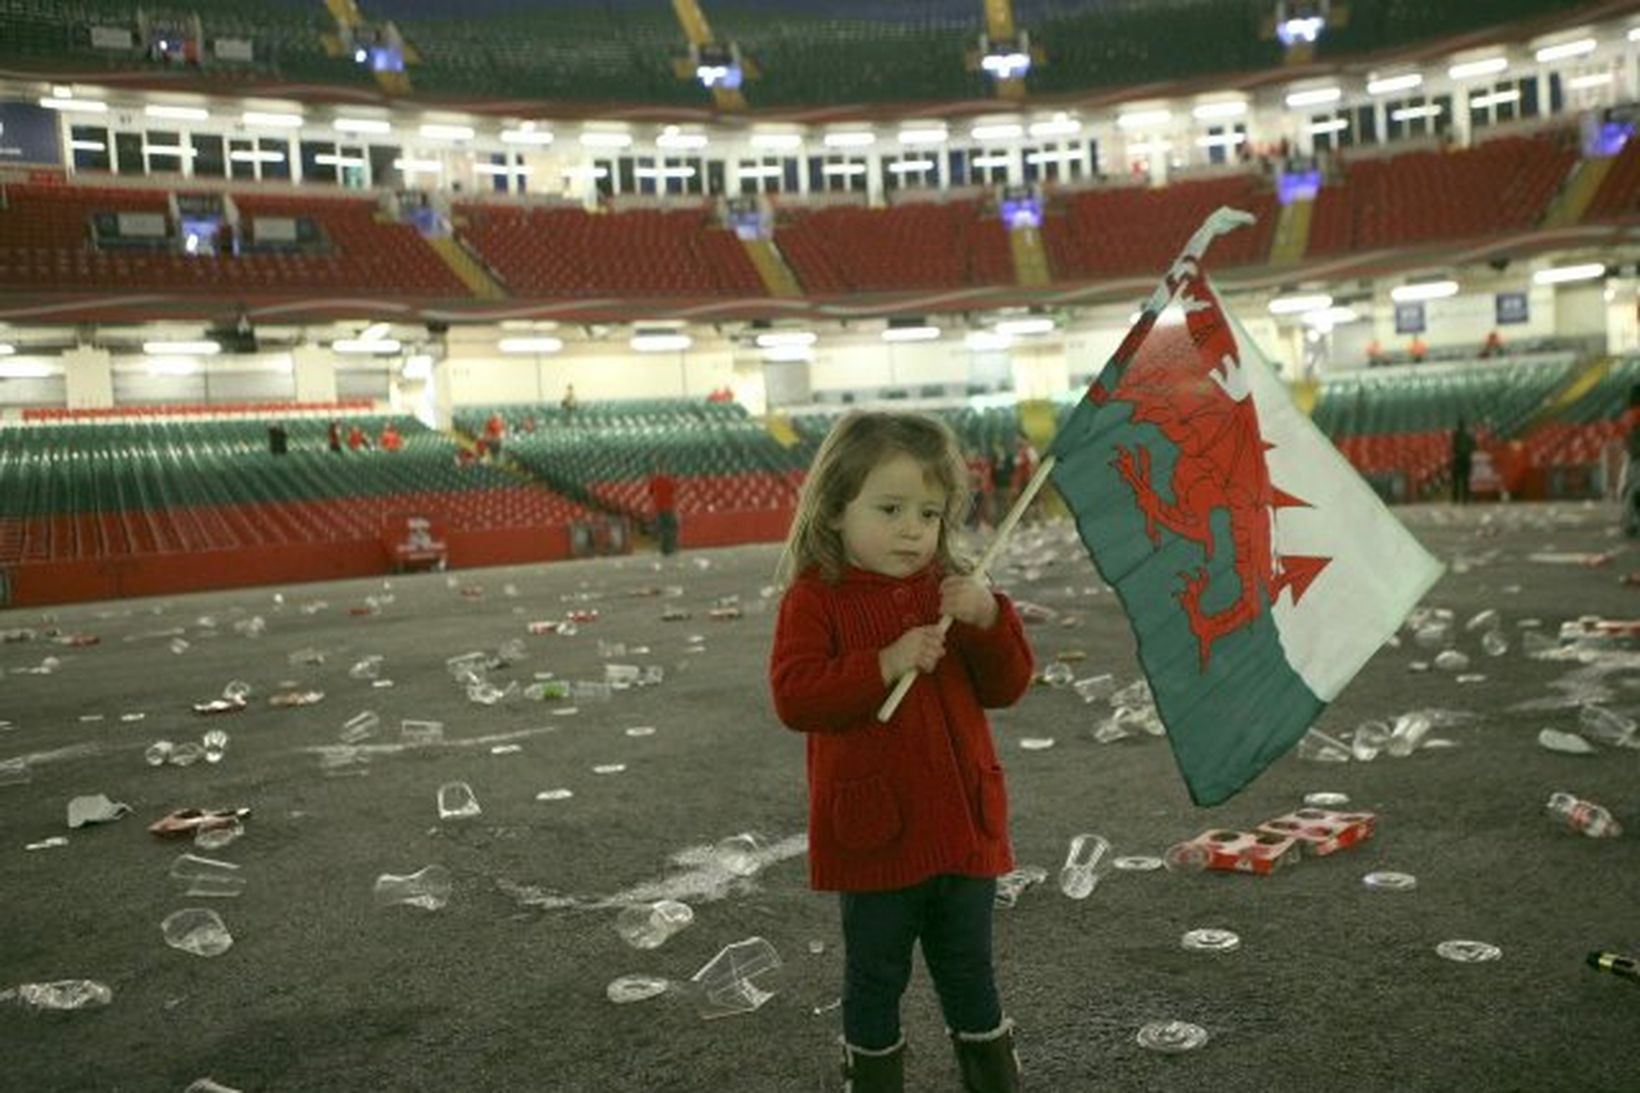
[[1095, 688], [368, 668], [59, 994], [186, 754], [208, 1085], [1409, 731], [1210, 941], [484, 693], [1369, 739], [236, 690], [427, 888], [1080, 873], [1494, 643], [179, 646], [1010, 886], [1186, 857], [1464, 951], [215, 838], [622, 675], [196, 930], [208, 878], [635, 988], [158, 752], [738, 854], [607, 649], [1317, 747], [512, 651], [1058, 674], [588, 691], [215, 744], [14, 772], [649, 925], [456, 801], [341, 762], [1607, 726], [361, 726], [1450, 660], [1390, 881], [1171, 1037], [1488, 619], [729, 983]]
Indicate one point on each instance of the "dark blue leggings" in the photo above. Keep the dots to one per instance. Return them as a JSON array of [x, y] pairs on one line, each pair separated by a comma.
[[951, 915]]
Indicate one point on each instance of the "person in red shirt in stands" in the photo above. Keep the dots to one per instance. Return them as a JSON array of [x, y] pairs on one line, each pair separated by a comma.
[[356, 438], [494, 430], [1492, 346], [1417, 349], [663, 491], [390, 440]]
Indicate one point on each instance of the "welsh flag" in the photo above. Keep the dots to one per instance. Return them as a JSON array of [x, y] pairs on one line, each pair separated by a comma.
[[1258, 570]]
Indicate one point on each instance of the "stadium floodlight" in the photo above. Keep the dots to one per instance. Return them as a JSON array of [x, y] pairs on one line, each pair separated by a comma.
[[1297, 305], [1060, 125], [675, 138], [1423, 290], [68, 104], [362, 125], [981, 341], [1315, 96], [850, 139], [1588, 271], [660, 342], [1565, 51], [923, 333], [442, 131], [376, 346], [1143, 119], [267, 119], [1000, 131], [925, 135], [1469, 70], [1588, 80], [1389, 85], [1024, 328], [785, 339], [526, 133], [541, 344], [177, 113], [603, 138], [777, 142], [1006, 65], [1306, 28], [1210, 111], [199, 348]]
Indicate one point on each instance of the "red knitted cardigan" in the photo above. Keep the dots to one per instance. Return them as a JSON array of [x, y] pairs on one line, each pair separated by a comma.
[[893, 804]]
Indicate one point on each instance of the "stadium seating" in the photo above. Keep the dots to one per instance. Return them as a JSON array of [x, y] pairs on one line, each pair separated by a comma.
[[117, 489], [1116, 231], [920, 245], [569, 252], [45, 244], [1500, 186], [1619, 195]]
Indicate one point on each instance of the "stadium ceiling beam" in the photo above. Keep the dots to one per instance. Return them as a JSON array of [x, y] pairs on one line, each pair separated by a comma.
[[699, 33]]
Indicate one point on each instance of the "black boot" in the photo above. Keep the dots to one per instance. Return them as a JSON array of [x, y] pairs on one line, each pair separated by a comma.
[[866, 1071], [987, 1060]]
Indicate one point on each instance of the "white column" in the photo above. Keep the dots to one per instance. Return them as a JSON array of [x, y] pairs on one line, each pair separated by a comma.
[[315, 374], [88, 376], [443, 398]]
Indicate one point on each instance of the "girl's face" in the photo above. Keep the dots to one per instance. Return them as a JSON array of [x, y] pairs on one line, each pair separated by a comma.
[[893, 526]]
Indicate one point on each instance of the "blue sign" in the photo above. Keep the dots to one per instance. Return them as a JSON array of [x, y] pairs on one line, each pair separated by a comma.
[[29, 134], [1512, 308], [1409, 318]]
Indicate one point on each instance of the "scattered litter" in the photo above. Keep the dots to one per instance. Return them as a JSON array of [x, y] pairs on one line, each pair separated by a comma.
[[1321, 832], [208, 1085], [609, 768], [95, 809], [1468, 952], [1387, 881], [1036, 743], [506, 749], [1138, 863], [48, 844], [216, 837], [190, 821], [1584, 817], [635, 988], [649, 925], [60, 994], [1011, 885], [1080, 873], [1171, 1037], [641, 730], [1326, 799], [361, 726], [428, 888], [726, 982], [555, 795], [1210, 941], [1256, 852], [420, 734], [196, 930], [287, 699], [739, 853], [456, 801], [15, 771], [1566, 743], [208, 878]]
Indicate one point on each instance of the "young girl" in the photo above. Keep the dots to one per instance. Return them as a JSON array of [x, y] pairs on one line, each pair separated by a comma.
[[908, 819]]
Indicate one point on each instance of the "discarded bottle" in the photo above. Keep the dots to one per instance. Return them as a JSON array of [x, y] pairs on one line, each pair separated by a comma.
[[215, 744], [1583, 816], [1627, 967], [197, 930], [60, 994], [456, 801], [1080, 873], [648, 925], [1410, 730], [428, 888], [548, 689]]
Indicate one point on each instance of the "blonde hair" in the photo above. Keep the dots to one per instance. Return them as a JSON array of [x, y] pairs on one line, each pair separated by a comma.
[[858, 443]]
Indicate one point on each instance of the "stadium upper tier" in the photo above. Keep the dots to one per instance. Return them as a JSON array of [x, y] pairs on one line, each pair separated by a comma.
[[806, 52]]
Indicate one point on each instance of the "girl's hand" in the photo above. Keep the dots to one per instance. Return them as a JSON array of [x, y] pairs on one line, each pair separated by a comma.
[[968, 600], [920, 648]]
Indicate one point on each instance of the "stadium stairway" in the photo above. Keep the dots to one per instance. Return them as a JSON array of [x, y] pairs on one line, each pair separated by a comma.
[[1292, 236], [1555, 405], [1030, 258], [777, 276], [468, 268], [1575, 197]]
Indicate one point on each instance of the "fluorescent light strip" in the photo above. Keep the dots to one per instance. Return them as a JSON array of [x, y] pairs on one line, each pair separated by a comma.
[[1065, 156], [1314, 97], [759, 171], [1585, 82], [1413, 113], [1007, 131], [1141, 119], [496, 170], [605, 140], [1057, 126], [526, 134], [267, 120], [246, 156], [843, 169], [361, 125], [331, 159], [440, 131], [1497, 98], [1012, 328], [87, 146], [660, 343], [1388, 85], [530, 345], [776, 142], [672, 138], [1423, 290], [1296, 305], [585, 172], [911, 334], [1565, 50], [413, 166], [177, 113], [983, 340], [1221, 140], [363, 345], [1588, 271], [1208, 111], [75, 106], [664, 172], [1469, 70], [988, 162], [910, 166], [922, 136], [1332, 126], [195, 348], [850, 140], [785, 339]]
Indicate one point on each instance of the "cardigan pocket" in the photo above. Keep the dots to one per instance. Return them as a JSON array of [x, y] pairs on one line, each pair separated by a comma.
[[864, 815], [993, 803]]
